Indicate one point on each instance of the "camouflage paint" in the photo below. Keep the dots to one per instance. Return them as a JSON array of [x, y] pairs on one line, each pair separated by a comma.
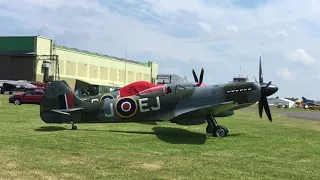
[[191, 101]]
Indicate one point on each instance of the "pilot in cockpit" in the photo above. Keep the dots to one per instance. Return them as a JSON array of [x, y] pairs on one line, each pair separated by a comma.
[[168, 90]]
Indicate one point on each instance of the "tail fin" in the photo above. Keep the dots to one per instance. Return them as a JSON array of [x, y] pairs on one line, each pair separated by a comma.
[[65, 82], [304, 99], [58, 102]]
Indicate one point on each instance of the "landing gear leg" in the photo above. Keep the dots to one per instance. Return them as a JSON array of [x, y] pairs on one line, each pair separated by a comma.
[[214, 128], [74, 127]]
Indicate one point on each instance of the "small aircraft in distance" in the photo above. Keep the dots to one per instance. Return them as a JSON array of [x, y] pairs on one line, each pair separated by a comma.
[[183, 105], [310, 104], [138, 86], [10, 85]]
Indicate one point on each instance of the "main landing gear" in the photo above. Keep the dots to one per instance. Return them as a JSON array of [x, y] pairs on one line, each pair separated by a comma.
[[74, 127], [214, 128]]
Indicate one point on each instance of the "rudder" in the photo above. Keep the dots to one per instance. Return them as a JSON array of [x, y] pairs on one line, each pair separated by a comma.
[[59, 104]]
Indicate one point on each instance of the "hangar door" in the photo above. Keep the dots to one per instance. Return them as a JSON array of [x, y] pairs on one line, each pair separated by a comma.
[[17, 67]]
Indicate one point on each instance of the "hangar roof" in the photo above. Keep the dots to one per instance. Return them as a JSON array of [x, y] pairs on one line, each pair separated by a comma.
[[26, 44], [101, 55]]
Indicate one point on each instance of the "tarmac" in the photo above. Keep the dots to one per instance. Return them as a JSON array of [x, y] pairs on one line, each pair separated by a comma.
[[307, 115]]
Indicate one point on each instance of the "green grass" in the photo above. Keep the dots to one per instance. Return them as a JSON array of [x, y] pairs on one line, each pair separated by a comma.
[[255, 149]]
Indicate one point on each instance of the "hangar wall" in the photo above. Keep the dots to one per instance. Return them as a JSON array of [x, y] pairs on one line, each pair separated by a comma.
[[17, 58], [17, 67], [91, 67], [22, 57]]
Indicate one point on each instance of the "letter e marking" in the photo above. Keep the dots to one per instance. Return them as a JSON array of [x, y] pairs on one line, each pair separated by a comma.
[[142, 105]]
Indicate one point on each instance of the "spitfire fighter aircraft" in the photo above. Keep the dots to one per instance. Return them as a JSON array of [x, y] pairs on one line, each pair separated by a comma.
[[135, 87], [183, 106]]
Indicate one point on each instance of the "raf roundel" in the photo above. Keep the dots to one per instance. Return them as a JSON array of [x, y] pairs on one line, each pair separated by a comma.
[[106, 97], [126, 107]]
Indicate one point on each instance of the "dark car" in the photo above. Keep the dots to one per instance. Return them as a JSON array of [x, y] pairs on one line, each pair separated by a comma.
[[30, 97]]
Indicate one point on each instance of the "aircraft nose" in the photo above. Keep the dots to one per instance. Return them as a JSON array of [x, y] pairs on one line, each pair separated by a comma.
[[269, 90]]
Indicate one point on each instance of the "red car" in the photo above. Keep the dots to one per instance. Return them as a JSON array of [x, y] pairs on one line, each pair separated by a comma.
[[30, 97]]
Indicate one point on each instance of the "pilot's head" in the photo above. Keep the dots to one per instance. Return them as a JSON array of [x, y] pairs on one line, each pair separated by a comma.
[[168, 90]]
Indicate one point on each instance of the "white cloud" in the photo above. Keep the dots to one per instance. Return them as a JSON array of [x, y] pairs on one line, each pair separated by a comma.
[[284, 73], [283, 33], [195, 32], [232, 28], [300, 55], [206, 27]]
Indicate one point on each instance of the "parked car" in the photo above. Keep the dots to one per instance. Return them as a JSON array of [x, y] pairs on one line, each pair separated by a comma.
[[29, 97]]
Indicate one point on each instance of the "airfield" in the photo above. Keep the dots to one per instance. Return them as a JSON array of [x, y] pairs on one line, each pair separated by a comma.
[[299, 113], [287, 148]]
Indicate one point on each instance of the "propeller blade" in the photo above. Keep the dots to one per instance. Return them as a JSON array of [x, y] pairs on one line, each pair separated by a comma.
[[266, 107], [260, 108], [269, 83], [201, 76], [266, 90], [255, 79], [195, 76], [260, 72]]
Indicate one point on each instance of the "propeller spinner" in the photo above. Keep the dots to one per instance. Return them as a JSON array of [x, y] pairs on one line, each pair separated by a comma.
[[199, 83], [267, 89]]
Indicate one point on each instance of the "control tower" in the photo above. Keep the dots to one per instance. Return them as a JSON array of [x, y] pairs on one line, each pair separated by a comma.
[[240, 78]]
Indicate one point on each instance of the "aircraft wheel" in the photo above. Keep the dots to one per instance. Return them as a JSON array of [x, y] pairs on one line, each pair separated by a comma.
[[220, 131], [74, 127], [225, 128], [17, 102]]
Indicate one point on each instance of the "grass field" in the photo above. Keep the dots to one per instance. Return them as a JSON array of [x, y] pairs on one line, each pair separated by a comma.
[[255, 149]]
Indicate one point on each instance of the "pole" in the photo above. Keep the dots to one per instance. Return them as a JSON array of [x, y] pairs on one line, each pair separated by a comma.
[[125, 65]]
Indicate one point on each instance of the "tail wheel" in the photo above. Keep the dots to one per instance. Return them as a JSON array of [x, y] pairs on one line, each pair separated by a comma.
[[74, 127]]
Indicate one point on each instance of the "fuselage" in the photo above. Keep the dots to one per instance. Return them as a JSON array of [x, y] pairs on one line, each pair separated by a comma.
[[160, 106]]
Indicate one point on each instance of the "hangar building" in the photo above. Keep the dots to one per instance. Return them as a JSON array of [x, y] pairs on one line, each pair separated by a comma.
[[36, 58]]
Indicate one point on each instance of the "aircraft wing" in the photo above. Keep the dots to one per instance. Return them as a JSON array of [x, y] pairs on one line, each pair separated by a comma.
[[316, 103], [65, 111], [213, 109]]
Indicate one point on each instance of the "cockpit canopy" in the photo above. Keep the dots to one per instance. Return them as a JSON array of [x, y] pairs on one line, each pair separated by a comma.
[[154, 91], [162, 90]]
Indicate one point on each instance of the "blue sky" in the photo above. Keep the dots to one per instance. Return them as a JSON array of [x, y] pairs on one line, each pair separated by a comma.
[[180, 35]]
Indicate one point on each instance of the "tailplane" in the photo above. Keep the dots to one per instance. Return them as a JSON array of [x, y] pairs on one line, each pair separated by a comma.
[[59, 104]]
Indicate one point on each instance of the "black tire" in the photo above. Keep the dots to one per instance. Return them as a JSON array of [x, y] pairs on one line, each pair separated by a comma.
[[220, 131], [17, 102], [74, 127]]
